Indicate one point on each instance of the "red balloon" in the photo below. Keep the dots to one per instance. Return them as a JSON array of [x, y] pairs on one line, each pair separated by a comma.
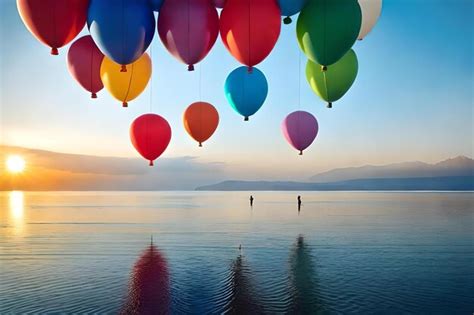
[[250, 29], [150, 135], [55, 23], [188, 29], [84, 60]]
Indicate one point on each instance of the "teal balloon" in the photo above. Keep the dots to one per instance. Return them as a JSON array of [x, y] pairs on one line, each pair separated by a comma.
[[246, 91], [290, 7], [333, 83], [327, 29]]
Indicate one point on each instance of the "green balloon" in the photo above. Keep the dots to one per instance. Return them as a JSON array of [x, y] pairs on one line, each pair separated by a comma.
[[333, 83], [327, 29]]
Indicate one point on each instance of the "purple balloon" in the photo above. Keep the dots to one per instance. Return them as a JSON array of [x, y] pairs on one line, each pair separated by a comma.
[[188, 29], [300, 128], [219, 3]]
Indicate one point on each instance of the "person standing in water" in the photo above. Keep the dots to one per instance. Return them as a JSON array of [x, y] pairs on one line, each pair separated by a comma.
[[299, 203], [251, 200]]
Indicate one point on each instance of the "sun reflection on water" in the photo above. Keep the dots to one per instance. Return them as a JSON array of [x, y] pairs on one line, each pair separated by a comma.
[[17, 210]]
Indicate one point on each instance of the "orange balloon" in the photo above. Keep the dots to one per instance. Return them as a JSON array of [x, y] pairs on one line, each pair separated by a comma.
[[200, 120]]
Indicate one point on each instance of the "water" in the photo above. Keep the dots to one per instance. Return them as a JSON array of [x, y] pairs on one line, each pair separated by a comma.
[[354, 252]]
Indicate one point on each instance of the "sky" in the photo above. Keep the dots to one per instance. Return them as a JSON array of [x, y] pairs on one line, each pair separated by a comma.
[[412, 99]]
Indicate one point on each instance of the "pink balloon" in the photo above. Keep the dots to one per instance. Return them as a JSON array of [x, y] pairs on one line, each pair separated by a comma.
[[84, 60], [300, 128], [219, 3], [188, 29]]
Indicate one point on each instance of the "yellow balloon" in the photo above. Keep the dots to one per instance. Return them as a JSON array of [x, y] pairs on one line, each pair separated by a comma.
[[126, 84]]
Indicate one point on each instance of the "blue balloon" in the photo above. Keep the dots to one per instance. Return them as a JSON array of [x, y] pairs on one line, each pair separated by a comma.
[[291, 7], [156, 4], [246, 91], [122, 30]]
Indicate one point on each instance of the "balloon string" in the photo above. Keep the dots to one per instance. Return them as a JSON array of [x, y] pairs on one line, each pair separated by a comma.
[[326, 84], [299, 79], [200, 81], [129, 84], [151, 80]]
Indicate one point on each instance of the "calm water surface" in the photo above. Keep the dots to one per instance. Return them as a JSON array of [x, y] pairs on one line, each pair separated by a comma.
[[345, 252]]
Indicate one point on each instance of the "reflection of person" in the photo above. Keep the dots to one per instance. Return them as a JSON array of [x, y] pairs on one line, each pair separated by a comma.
[[251, 200], [299, 203]]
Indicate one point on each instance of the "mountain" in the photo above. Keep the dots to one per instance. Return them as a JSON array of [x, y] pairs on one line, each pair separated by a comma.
[[459, 166], [452, 174], [452, 183]]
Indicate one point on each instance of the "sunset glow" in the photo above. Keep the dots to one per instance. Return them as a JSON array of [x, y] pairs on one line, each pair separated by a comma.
[[15, 164]]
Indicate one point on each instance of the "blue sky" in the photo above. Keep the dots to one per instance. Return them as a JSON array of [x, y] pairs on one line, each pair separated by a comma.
[[412, 99]]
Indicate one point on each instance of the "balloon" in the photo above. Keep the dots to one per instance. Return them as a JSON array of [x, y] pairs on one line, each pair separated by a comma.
[[188, 29], [250, 29], [327, 29], [332, 84], [84, 60], [219, 3], [55, 23], [290, 7], [156, 4], [200, 121], [150, 135], [122, 30], [126, 86], [246, 92], [300, 128], [371, 10]]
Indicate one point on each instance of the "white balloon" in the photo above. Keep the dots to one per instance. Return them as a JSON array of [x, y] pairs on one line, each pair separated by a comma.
[[371, 10]]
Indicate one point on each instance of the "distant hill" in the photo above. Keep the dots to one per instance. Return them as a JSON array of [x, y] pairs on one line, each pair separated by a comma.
[[459, 166], [452, 183], [451, 174]]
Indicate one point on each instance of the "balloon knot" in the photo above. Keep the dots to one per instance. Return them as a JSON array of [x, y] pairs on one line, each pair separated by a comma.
[[93, 95], [54, 51], [301, 152], [124, 104], [287, 20], [123, 68], [151, 163], [329, 105], [324, 68], [200, 144], [246, 118], [190, 67], [250, 69]]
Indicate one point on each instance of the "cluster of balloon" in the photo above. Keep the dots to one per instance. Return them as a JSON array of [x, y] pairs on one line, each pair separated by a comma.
[[300, 128], [122, 30], [290, 7], [246, 91], [250, 29], [150, 135], [188, 29], [126, 86], [200, 120], [332, 84], [84, 60], [55, 23], [326, 31]]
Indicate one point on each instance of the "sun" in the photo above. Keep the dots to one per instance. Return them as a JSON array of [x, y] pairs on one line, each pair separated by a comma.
[[15, 164]]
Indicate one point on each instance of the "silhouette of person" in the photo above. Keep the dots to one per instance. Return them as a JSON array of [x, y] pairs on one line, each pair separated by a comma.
[[251, 200], [299, 203]]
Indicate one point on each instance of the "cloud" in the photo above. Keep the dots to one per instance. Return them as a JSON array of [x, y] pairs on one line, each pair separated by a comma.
[[48, 170]]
